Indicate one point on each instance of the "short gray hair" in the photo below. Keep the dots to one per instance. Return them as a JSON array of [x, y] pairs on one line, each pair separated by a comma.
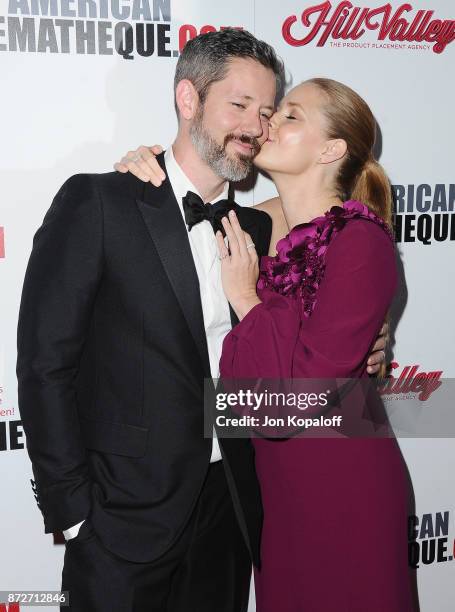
[[205, 59]]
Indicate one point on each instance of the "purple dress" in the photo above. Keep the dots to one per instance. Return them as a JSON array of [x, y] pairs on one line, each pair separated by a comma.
[[335, 510]]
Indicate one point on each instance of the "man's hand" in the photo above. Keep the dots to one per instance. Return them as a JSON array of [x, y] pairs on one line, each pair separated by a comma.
[[377, 356], [142, 163]]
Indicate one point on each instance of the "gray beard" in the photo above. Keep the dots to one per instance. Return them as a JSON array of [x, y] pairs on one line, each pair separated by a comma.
[[215, 156]]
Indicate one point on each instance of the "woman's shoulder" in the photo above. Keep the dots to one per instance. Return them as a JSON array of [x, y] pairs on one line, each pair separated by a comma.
[[366, 233], [361, 247], [272, 207], [344, 237], [279, 224], [269, 205]]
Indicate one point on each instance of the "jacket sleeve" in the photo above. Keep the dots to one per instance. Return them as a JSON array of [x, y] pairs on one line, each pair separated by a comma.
[[60, 286], [265, 233], [275, 340]]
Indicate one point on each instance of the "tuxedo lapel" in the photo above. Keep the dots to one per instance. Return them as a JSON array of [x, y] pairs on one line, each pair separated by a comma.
[[234, 318], [166, 227], [247, 221]]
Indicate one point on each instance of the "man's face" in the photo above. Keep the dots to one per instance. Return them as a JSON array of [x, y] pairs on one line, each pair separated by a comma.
[[230, 128]]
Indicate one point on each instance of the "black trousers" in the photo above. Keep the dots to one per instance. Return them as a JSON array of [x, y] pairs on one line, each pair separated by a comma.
[[207, 570]]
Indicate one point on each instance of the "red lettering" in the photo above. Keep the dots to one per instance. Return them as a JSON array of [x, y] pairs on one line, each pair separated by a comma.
[[207, 28], [432, 383], [423, 383], [411, 34], [420, 34], [323, 9], [434, 29], [349, 22], [188, 32], [447, 36], [418, 383], [356, 32]]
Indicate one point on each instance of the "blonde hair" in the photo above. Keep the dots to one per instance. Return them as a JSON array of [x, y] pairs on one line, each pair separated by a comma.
[[360, 176]]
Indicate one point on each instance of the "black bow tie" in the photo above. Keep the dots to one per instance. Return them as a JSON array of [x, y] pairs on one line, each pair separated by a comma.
[[196, 211]]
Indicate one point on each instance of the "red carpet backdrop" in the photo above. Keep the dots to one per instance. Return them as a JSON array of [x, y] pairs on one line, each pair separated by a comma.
[[83, 81]]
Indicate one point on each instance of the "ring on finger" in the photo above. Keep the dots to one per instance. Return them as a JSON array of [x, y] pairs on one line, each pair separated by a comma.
[[136, 158], [250, 245]]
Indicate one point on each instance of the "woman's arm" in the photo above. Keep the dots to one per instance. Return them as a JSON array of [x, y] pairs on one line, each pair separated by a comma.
[[142, 163], [273, 340]]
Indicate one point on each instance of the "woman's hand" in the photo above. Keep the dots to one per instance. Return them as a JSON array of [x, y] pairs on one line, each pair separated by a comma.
[[239, 266], [377, 359], [142, 163]]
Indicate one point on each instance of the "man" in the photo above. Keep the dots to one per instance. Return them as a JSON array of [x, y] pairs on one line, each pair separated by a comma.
[[122, 317]]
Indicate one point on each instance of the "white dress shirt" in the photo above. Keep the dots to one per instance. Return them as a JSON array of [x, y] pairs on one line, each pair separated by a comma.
[[215, 307]]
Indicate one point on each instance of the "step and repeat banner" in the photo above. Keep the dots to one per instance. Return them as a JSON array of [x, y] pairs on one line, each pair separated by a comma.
[[84, 81]]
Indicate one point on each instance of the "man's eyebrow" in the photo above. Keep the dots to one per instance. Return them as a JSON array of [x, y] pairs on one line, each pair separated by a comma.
[[249, 98]]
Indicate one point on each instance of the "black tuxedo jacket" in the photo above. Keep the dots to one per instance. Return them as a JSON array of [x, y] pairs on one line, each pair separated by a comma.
[[112, 356]]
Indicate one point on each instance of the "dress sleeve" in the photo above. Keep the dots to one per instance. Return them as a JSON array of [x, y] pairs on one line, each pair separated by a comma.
[[275, 340]]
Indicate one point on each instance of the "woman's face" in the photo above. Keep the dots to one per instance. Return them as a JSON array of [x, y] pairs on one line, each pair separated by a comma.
[[296, 133]]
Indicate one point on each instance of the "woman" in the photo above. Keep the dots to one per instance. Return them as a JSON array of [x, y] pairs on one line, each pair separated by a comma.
[[335, 510]]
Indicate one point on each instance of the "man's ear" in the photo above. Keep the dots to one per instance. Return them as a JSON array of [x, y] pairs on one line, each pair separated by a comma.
[[335, 149], [187, 99]]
